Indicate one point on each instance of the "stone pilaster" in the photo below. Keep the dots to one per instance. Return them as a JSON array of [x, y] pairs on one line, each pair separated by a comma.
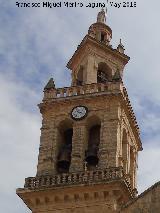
[[109, 137], [78, 147], [91, 70], [47, 155]]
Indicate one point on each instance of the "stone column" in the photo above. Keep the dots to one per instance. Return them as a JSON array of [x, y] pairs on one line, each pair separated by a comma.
[[78, 147], [125, 155], [133, 167]]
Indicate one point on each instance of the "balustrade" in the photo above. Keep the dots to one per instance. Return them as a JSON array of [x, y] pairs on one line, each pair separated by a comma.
[[80, 90], [86, 177]]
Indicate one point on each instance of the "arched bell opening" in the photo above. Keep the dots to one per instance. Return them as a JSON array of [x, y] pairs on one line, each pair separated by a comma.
[[104, 73], [79, 80], [65, 148], [91, 154], [103, 37]]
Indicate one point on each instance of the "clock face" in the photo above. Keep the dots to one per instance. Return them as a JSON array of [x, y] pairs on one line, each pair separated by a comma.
[[79, 112]]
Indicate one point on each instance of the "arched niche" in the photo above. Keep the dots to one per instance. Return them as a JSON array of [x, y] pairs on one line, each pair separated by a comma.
[[64, 151], [93, 141], [104, 73]]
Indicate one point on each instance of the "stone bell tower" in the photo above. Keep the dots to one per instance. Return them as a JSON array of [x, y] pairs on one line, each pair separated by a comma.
[[89, 137]]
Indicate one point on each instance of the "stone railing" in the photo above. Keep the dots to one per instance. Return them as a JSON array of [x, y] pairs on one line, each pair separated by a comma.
[[86, 178], [81, 90]]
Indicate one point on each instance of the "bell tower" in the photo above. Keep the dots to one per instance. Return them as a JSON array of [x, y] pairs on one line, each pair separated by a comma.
[[89, 136]]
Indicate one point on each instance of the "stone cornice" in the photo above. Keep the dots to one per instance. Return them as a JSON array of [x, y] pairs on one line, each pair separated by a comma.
[[127, 102], [90, 40]]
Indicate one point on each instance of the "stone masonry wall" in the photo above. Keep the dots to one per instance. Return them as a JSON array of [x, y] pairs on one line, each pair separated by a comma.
[[147, 202]]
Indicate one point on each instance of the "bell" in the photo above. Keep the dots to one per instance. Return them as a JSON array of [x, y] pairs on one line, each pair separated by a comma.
[[93, 144], [64, 159], [91, 156]]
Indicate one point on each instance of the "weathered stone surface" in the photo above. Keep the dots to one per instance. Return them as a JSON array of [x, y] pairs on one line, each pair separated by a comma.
[[147, 202], [110, 185]]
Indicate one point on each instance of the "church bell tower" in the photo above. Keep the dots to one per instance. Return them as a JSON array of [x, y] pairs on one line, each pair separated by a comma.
[[89, 136]]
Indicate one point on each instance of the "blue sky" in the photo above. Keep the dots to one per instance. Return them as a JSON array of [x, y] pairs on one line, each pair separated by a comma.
[[35, 44]]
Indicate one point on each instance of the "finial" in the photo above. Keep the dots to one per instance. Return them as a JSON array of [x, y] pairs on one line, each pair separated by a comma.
[[120, 43], [50, 84], [106, 10], [117, 75], [101, 17], [102, 9], [120, 47]]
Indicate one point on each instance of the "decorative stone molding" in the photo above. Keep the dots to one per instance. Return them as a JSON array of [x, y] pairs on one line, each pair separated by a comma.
[[79, 178], [80, 90]]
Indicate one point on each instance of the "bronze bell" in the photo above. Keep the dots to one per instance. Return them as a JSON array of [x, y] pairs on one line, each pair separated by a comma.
[[91, 155], [64, 158]]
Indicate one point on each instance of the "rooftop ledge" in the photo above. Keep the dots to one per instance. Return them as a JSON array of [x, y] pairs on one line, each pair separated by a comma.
[[79, 178], [87, 89]]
